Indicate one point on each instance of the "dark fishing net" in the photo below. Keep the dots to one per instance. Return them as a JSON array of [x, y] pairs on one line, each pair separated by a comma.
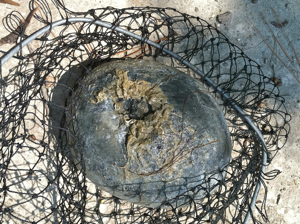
[[41, 184]]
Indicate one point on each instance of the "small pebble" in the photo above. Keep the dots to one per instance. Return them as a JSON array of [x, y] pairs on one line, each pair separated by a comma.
[[277, 81], [260, 104], [254, 1], [224, 18], [196, 9], [32, 137], [49, 81]]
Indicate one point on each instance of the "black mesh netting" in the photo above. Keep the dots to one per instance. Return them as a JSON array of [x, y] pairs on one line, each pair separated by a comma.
[[40, 184]]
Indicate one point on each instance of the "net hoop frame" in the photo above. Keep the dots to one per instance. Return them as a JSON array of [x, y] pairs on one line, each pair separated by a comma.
[[205, 79]]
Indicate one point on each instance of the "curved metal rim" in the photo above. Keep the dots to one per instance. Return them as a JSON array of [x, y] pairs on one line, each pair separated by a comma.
[[245, 117]]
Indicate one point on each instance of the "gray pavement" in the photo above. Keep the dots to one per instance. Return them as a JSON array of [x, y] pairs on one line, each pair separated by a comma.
[[283, 203]]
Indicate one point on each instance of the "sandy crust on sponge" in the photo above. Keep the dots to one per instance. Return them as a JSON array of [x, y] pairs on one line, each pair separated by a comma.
[[140, 131]]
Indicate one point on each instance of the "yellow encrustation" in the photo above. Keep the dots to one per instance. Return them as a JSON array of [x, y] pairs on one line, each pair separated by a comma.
[[140, 131]]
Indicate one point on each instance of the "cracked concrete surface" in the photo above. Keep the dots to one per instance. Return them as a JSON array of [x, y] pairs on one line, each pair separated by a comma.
[[283, 203]]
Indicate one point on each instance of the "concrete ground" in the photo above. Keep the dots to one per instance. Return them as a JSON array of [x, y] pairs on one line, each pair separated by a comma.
[[283, 203]]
